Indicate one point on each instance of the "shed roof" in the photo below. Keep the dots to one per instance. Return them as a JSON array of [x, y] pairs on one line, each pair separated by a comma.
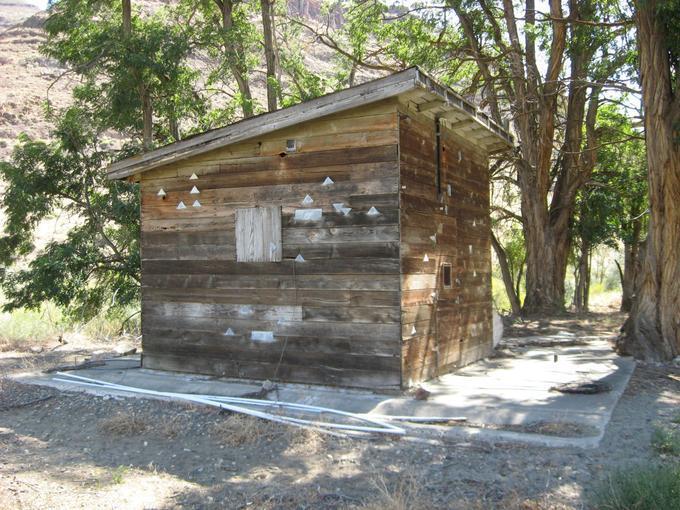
[[421, 93]]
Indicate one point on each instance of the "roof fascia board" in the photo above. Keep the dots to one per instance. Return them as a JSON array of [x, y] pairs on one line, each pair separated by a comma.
[[454, 101]]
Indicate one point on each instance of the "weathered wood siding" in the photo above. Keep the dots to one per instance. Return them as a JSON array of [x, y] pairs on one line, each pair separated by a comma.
[[442, 328], [336, 316]]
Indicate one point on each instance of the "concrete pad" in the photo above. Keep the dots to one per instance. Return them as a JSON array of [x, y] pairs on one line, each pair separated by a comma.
[[492, 394]]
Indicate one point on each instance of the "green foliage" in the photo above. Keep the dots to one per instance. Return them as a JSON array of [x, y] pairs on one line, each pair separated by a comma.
[[669, 14], [23, 328], [666, 441], [118, 474], [117, 71], [227, 51], [96, 266], [380, 36], [611, 207], [640, 488]]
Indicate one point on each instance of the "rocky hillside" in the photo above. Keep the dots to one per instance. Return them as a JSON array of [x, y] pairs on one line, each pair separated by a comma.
[[15, 11], [26, 77]]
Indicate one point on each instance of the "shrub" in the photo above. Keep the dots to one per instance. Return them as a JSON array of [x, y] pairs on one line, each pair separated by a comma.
[[666, 441], [640, 488]]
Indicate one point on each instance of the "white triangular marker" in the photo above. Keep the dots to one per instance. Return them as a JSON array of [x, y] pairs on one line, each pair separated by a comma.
[[299, 258], [181, 205], [193, 177], [338, 206], [345, 210], [229, 332], [373, 211], [161, 192], [426, 258], [307, 200], [196, 203], [433, 238], [474, 223], [327, 181], [413, 330], [194, 191]]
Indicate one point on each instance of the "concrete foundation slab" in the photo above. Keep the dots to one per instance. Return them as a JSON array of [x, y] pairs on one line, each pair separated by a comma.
[[504, 399]]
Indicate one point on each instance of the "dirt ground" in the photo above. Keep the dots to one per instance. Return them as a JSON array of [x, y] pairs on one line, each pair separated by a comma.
[[72, 450]]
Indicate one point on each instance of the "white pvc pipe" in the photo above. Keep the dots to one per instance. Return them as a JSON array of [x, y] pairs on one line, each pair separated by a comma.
[[265, 416], [385, 428], [416, 419], [249, 401]]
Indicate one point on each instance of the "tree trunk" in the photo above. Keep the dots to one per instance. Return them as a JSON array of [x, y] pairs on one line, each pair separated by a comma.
[[144, 96], [127, 17], [652, 330], [547, 249], [235, 56], [147, 115], [515, 305], [267, 7], [520, 274], [582, 288], [628, 275]]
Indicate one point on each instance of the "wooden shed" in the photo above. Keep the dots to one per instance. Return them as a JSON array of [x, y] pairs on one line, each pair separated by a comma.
[[342, 241]]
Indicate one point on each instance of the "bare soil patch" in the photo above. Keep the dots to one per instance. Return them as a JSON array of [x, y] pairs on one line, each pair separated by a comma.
[[585, 324]]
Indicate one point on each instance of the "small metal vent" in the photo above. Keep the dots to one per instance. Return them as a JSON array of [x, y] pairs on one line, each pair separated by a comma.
[[446, 276]]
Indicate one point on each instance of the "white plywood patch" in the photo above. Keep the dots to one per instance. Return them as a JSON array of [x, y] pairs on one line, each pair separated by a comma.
[[257, 229], [308, 214], [262, 336]]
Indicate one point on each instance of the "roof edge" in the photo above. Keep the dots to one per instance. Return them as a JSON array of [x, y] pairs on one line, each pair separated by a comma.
[[339, 101], [375, 90]]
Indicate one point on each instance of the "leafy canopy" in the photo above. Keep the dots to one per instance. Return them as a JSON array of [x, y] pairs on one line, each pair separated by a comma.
[[96, 266]]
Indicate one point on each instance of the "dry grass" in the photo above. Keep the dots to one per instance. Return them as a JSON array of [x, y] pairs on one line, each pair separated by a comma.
[[516, 502], [241, 430], [405, 494], [171, 426], [123, 424]]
